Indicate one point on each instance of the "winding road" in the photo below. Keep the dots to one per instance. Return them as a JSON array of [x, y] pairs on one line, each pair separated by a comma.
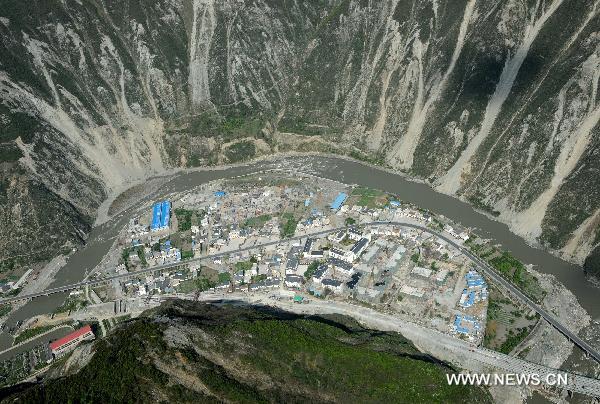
[[490, 272]]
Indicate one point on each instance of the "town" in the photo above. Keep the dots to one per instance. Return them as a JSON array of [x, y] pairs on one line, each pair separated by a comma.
[[404, 270], [299, 238]]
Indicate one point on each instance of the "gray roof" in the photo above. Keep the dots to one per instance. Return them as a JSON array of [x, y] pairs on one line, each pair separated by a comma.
[[320, 271], [360, 244], [331, 282], [340, 264], [294, 278]]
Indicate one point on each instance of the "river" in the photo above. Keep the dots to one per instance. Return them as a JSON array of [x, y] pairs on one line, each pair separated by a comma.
[[351, 172]]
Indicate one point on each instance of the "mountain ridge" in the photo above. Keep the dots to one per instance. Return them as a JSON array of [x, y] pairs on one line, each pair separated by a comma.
[[493, 103]]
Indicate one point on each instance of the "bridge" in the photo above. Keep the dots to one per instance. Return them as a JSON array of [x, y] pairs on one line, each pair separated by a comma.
[[482, 265]]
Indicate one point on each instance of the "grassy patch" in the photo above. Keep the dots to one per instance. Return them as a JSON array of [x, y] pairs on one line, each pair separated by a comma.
[[5, 309], [31, 332], [310, 271], [288, 225], [199, 284], [72, 303], [370, 198], [256, 222], [243, 265], [240, 151], [184, 218]]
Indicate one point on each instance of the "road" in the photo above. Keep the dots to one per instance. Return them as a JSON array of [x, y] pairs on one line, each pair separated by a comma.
[[483, 266], [467, 355]]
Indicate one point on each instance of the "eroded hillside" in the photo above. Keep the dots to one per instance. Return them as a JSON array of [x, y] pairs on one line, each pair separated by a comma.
[[495, 102]]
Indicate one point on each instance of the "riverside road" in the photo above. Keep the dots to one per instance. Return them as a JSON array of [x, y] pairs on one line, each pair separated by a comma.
[[483, 266]]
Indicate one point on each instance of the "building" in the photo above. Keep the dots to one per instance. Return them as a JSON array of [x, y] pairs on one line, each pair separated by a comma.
[[467, 326], [440, 277], [161, 215], [293, 281], [343, 266], [320, 273], [66, 344], [308, 246], [411, 291], [421, 271], [355, 234], [339, 201], [354, 280], [338, 237], [359, 247], [332, 284], [291, 265], [341, 254], [315, 254]]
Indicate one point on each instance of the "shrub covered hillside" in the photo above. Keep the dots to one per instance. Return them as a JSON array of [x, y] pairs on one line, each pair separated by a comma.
[[491, 101], [190, 352]]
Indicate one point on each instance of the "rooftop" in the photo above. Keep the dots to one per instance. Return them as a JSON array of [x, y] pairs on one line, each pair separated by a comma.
[[68, 338]]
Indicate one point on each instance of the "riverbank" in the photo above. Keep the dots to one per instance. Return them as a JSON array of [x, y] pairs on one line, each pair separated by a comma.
[[104, 211]]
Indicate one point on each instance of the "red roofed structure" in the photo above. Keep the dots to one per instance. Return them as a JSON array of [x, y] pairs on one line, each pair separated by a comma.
[[69, 342]]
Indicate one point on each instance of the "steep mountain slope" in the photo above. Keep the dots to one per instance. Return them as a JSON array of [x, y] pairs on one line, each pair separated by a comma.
[[495, 102], [190, 352]]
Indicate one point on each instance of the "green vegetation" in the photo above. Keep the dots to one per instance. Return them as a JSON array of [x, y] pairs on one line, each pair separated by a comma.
[[9, 153], [591, 266], [506, 325], [509, 267], [72, 303], [139, 250], [515, 271], [370, 198], [513, 340], [415, 257], [288, 226], [240, 151], [142, 256], [200, 284], [5, 309], [478, 203], [31, 332], [185, 218], [349, 221], [259, 278], [243, 265], [224, 277], [187, 254], [230, 127], [256, 222], [333, 358], [377, 160], [312, 267]]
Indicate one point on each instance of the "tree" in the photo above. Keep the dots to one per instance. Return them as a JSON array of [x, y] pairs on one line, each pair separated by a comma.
[[591, 266]]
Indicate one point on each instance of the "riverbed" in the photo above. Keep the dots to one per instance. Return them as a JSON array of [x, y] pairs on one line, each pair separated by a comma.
[[80, 263]]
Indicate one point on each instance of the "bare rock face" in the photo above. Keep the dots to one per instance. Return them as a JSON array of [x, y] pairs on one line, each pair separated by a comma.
[[494, 102]]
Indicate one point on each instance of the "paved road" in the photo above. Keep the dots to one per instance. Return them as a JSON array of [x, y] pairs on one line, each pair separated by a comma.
[[484, 266], [465, 354]]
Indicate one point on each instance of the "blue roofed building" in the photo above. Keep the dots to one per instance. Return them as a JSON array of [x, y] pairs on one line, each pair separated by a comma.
[[339, 201], [165, 214], [156, 211], [466, 325], [219, 194], [161, 215]]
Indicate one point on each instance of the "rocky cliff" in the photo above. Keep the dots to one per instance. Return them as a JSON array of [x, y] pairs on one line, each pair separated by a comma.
[[494, 102]]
